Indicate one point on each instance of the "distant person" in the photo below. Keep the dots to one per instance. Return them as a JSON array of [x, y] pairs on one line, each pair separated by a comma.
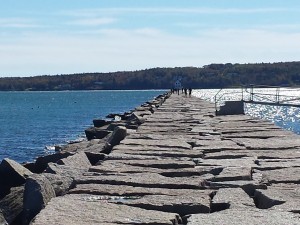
[[185, 92], [190, 92]]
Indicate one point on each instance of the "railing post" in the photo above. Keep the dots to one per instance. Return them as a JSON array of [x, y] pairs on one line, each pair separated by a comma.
[[277, 95], [251, 92]]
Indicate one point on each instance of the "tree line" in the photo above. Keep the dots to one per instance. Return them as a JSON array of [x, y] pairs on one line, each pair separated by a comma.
[[209, 76]]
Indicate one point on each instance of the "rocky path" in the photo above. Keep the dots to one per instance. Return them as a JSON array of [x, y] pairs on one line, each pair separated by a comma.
[[184, 165]]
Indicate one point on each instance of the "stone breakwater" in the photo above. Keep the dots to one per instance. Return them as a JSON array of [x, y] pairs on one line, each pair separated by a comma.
[[169, 162]]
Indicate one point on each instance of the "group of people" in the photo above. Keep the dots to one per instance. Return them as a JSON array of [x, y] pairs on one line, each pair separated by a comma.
[[186, 91]]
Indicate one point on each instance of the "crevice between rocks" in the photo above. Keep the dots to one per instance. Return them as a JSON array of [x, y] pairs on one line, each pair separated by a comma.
[[217, 207]]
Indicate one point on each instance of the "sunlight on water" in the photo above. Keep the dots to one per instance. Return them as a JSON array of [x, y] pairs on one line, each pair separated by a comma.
[[283, 116]]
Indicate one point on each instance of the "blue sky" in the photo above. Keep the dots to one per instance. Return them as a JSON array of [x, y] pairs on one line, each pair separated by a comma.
[[73, 36]]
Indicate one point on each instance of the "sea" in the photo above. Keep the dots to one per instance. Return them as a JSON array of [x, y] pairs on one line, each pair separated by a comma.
[[32, 123], [286, 117]]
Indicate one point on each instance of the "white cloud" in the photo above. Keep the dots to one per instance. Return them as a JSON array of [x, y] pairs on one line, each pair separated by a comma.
[[173, 10], [93, 21], [113, 50], [17, 23]]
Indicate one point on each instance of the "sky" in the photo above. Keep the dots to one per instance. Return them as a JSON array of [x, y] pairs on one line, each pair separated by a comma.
[[49, 37]]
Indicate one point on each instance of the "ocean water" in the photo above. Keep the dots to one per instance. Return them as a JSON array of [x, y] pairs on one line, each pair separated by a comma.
[[283, 116], [32, 122]]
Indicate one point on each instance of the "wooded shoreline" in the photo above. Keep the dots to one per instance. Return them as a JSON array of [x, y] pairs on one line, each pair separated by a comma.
[[210, 76]]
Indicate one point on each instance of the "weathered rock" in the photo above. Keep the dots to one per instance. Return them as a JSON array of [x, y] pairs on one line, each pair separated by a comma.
[[95, 157], [289, 142], [182, 205], [78, 160], [162, 143], [38, 192], [2, 220], [234, 173], [245, 217], [213, 145], [88, 209], [60, 184], [150, 180], [233, 198], [12, 173], [118, 135], [42, 162], [283, 197], [164, 170], [12, 206], [285, 175], [271, 164], [153, 163], [125, 190], [238, 162], [100, 122], [96, 133]]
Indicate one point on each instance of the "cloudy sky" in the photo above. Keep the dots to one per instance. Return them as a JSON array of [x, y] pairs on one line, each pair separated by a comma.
[[41, 37]]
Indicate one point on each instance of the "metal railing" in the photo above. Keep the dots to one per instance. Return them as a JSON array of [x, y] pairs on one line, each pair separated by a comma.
[[253, 94]]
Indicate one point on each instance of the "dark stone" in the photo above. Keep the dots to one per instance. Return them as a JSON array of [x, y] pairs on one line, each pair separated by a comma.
[[2, 220], [118, 135], [12, 205], [30, 166], [96, 133], [94, 157], [42, 162], [4, 190], [12, 173], [100, 122], [38, 192]]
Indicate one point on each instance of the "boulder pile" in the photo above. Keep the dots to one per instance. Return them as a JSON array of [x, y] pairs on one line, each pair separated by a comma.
[[26, 189]]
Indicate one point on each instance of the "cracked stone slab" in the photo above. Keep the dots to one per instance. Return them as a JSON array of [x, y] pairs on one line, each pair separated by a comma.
[[151, 163], [217, 145], [283, 197], [285, 175], [268, 164], [245, 217], [234, 173], [255, 134], [182, 205], [126, 190], [161, 143], [238, 162], [236, 198], [116, 168], [88, 209], [289, 142], [173, 153], [145, 180]]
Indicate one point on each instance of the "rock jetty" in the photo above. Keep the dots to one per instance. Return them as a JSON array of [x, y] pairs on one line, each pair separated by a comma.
[[169, 162]]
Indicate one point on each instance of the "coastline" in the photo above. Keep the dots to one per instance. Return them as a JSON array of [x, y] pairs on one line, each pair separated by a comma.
[[105, 134]]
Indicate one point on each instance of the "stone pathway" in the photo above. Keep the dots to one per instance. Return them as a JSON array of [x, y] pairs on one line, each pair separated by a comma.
[[184, 165]]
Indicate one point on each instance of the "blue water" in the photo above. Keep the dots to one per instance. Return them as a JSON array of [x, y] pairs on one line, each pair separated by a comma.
[[30, 121]]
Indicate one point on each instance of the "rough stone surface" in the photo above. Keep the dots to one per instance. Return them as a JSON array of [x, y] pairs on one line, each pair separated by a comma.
[[38, 192], [182, 205], [78, 160], [245, 217], [2, 220], [88, 209], [179, 159], [13, 173], [61, 184], [235, 198], [11, 206], [118, 135]]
